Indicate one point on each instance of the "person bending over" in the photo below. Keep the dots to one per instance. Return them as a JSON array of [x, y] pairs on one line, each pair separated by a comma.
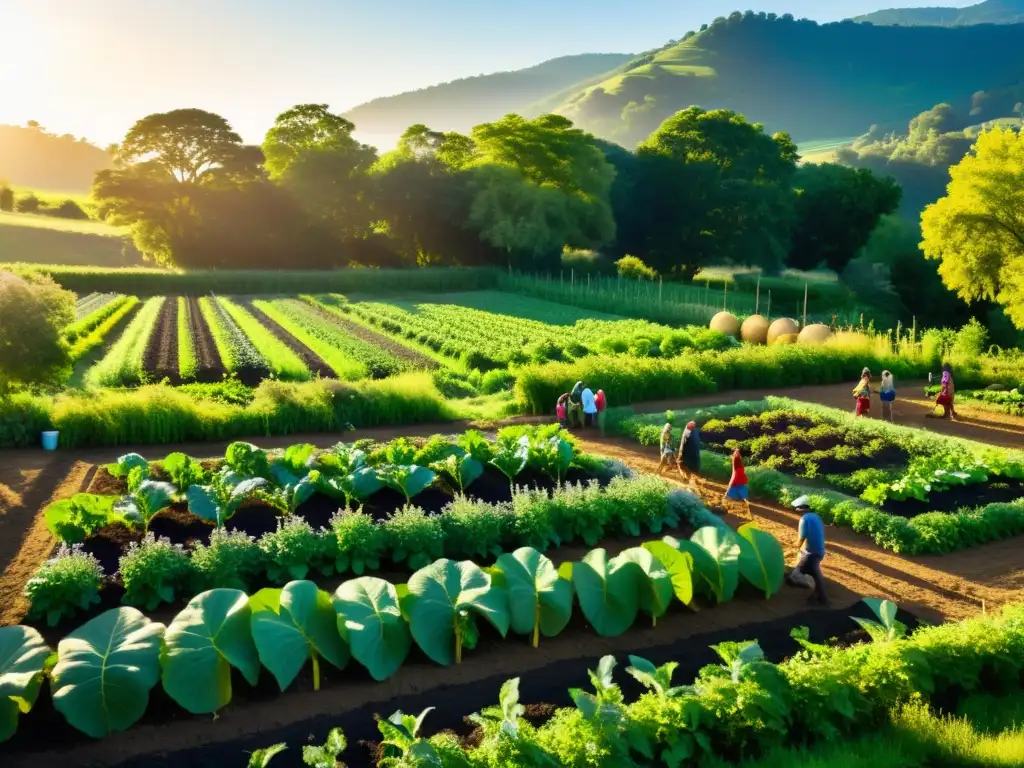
[[811, 543]]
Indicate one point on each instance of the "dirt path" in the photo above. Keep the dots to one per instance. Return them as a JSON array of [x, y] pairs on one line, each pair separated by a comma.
[[210, 367], [161, 360], [935, 587]]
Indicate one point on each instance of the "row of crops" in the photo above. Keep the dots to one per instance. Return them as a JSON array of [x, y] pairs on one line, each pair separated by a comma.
[[297, 338]]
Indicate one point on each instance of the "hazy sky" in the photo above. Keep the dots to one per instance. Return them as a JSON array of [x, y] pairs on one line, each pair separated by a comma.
[[93, 67]]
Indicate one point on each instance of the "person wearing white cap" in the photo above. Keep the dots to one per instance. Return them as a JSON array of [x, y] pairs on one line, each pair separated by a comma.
[[811, 543]]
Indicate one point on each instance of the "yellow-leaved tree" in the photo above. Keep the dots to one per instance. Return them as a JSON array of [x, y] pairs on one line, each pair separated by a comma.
[[976, 231]]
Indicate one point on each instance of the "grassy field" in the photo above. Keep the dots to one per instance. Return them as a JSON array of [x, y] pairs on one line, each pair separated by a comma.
[[503, 303], [49, 240]]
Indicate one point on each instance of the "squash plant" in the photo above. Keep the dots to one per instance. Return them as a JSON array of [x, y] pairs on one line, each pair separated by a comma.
[[23, 655], [539, 600], [408, 480], [442, 602]]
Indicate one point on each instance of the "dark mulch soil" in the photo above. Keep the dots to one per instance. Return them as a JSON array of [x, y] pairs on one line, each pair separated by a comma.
[[959, 497], [544, 689]]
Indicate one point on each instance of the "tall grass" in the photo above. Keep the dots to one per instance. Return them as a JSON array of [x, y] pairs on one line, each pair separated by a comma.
[[123, 363], [379, 282], [22, 418], [188, 363], [158, 414], [283, 363]]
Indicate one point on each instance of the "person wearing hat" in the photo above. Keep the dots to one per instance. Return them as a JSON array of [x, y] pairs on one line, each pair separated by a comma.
[[688, 458], [811, 543]]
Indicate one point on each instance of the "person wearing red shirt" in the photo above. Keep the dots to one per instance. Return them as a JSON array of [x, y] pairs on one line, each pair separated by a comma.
[[737, 490], [601, 403]]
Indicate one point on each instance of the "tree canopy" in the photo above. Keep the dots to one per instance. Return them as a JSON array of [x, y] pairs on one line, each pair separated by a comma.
[[976, 231], [33, 314]]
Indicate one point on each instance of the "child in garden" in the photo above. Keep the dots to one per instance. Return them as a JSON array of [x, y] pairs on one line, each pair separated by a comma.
[[575, 409], [667, 452], [737, 490], [561, 410], [887, 394], [862, 394], [945, 398], [602, 403]]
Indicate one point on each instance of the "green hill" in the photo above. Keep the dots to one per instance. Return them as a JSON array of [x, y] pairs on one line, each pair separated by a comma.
[[816, 81], [34, 158], [461, 104], [989, 12]]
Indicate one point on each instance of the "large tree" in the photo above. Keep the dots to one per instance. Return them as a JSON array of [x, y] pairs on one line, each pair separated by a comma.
[[539, 185], [710, 187], [312, 153], [837, 209], [976, 231], [33, 314]]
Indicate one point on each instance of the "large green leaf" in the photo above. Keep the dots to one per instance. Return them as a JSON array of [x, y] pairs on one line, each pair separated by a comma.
[[369, 613], [74, 520], [721, 544], [212, 634], [442, 600], [409, 480], [680, 568], [705, 569], [23, 655], [654, 587], [302, 628], [126, 464], [607, 592], [540, 602], [105, 670], [762, 561]]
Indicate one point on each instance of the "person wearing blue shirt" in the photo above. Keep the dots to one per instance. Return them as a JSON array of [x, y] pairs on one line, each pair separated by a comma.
[[811, 543]]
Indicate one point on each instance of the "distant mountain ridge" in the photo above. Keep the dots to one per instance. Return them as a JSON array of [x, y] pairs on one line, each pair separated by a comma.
[[989, 12], [32, 157], [461, 104]]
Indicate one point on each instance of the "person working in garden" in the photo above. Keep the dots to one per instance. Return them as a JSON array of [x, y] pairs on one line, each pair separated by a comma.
[[946, 392], [862, 394], [737, 490], [561, 409], [602, 403], [811, 543], [887, 394], [589, 407], [688, 458], [668, 453], [575, 409]]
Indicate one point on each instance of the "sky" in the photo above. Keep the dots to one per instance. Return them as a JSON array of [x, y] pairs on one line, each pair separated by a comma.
[[93, 67]]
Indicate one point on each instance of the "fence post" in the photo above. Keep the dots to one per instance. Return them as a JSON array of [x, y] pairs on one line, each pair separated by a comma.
[[804, 324], [572, 281], [757, 296], [725, 296], [660, 286]]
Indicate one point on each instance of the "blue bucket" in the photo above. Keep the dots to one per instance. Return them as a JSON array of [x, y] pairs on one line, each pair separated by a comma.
[[50, 441]]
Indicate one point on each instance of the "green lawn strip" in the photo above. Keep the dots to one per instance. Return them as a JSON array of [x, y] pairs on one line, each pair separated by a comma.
[[284, 363]]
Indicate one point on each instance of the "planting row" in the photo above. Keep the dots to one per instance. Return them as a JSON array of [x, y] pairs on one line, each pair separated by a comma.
[[86, 305], [368, 619], [485, 340], [739, 709], [916, 492]]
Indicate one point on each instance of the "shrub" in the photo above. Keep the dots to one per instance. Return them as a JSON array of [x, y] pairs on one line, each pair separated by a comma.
[[33, 314], [359, 542], [66, 583], [295, 549], [154, 572], [414, 537], [495, 381], [6, 199], [28, 204], [68, 209], [634, 268]]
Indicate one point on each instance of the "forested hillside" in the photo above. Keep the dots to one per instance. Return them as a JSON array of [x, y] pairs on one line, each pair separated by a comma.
[[814, 81], [461, 104], [32, 157], [989, 12]]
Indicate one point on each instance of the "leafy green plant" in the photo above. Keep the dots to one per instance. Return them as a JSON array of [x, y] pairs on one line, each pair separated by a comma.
[[654, 585], [474, 528], [23, 655], [476, 445], [247, 460], [414, 537], [125, 464], [232, 559], [539, 600], [888, 627], [400, 451], [340, 460], [325, 755], [184, 471], [356, 486], [154, 571], [149, 499], [105, 670], [293, 465], [680, 568], [510, 459], [761, 562], [408, 480], [442, 603], [370, 616], [716, 557], [551, 455], [657, 679], [462, 470], [503, 729], [76, 519], [260, 758], [295, 549], [402, 745], [293, 625], [359, 542], [288, 498], [218, 502], [65, 584], [205, 641], [607, 590], [605, 703]]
